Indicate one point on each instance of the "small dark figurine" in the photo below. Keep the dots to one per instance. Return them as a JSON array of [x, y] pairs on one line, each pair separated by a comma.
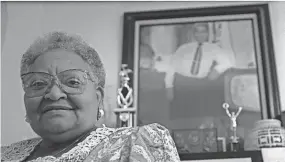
[[281, 117]]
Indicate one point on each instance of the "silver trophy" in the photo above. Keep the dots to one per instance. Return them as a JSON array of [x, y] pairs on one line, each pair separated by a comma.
[[125, 99], [233, 117]]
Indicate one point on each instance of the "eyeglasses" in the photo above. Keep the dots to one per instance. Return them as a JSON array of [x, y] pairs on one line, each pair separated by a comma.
[[71, 81]]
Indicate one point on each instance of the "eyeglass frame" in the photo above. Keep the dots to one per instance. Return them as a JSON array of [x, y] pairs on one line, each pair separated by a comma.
[[56, 80]]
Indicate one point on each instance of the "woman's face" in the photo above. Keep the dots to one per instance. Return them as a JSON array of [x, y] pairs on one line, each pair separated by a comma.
[[77, 113]]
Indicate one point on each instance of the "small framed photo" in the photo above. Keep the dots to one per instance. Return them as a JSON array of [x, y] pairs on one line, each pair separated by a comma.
[[195, 140]]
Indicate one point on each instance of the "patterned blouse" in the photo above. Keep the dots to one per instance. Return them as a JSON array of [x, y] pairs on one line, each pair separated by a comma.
[[149, 143]]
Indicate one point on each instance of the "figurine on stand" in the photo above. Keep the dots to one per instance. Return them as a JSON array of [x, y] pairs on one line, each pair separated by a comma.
[[233, 117]]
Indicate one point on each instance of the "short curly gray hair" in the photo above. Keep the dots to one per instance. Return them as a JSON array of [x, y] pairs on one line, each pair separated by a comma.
[[62, 40]]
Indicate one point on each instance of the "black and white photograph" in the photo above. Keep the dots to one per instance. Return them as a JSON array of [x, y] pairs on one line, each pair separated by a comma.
[[148, 81], [183, 70]]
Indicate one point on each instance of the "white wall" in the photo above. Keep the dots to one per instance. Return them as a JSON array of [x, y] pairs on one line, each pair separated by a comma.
[[101, 24]]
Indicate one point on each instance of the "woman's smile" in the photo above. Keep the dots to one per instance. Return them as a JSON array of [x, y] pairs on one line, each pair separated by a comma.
[[56, 112], [55, 108]]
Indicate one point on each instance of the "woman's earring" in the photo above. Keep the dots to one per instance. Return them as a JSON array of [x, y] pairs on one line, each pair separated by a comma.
[[100, 113], [27, 119]]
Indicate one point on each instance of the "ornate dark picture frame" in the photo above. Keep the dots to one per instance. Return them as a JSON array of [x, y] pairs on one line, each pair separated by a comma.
[[264, 52]]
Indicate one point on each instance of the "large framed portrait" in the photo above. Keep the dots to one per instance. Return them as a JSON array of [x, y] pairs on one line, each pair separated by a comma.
[[186, 63]]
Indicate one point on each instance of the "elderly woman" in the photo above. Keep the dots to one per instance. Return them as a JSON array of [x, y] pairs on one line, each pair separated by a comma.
[[63, 80]]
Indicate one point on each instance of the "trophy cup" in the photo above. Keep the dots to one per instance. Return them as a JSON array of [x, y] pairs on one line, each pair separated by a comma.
[[234, 139], [125, 113]]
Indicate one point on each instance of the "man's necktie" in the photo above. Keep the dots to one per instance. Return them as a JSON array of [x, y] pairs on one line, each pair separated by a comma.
[[197, 60]]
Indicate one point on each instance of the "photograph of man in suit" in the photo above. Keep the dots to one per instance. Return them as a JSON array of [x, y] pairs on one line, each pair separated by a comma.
[[194, 80]]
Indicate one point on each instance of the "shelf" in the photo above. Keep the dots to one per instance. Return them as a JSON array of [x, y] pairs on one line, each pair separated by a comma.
[[255, 155]]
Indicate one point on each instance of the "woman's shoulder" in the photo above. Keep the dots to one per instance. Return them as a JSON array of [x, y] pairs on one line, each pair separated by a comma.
[[153, 129], [18, 150], [151, 134], [150, 141]]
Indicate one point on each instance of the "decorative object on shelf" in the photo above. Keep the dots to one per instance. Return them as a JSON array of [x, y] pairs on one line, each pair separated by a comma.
[[265, 134], [195, 140], [234, 143], [125, 98]]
